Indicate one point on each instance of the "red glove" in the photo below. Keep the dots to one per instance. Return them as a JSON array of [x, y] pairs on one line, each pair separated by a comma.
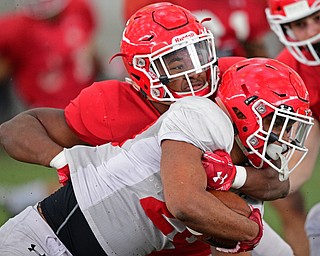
[[245, 246], [220, 169], [63, 174]]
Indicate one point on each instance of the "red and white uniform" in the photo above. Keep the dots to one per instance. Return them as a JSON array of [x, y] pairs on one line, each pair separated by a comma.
[[129, 215], [311, 77], [232, 21], [51, 59], [113, 111]]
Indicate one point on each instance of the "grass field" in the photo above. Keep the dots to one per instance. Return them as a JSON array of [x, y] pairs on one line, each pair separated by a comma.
[[14, 173]]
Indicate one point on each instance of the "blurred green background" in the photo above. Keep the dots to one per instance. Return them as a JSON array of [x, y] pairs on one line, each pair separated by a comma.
[[13, 173]]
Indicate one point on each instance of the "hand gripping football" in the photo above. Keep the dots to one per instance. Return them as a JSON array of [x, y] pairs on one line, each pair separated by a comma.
[[235, 203]]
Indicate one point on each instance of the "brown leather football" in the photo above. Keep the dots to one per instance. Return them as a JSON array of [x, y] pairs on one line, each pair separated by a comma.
[[235, 203], [232, 201]]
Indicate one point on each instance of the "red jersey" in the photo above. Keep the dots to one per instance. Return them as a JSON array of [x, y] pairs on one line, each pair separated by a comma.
[[109, 111], [51, 60], [232, 21], [311, 77], [113, 111]]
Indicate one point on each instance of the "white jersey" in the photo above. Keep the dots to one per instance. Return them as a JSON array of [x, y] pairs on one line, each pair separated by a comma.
[[119, 189]]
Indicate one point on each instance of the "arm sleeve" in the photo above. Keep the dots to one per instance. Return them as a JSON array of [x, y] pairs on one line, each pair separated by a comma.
[[86, 116]]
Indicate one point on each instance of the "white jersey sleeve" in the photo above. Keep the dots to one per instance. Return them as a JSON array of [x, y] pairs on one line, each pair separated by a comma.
[[198, 121]]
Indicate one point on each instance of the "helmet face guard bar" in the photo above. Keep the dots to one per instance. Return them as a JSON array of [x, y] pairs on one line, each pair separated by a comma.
[[195, 53], [292, 129], [304, 51]]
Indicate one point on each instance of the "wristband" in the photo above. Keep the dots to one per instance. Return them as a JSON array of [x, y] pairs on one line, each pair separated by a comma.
[[240, 178], [59, 161]]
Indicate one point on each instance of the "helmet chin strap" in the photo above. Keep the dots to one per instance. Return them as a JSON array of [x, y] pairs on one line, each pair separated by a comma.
[[275, 151], [284, 174]]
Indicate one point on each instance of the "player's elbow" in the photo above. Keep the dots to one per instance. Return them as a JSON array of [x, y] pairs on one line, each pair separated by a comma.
[[181, 208]]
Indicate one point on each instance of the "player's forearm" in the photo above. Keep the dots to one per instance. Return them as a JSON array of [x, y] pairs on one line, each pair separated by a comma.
[[264, 184], [202, 212], [25, 139], [184, 182]]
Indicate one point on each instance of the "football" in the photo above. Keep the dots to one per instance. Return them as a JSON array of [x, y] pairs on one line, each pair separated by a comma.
[[235, 203], [232, 201]]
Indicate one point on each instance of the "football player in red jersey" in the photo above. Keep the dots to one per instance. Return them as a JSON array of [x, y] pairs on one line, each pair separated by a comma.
[[237, 25], [47, 48], [297, 25], [113, 111]]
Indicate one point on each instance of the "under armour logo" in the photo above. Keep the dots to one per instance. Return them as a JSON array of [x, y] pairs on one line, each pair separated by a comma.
[[32, 248], [219, 177], [286, 107]]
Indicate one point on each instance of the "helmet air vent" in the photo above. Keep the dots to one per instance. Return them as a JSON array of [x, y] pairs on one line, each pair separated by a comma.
[[238, 113], [281, 95], [147, 38]]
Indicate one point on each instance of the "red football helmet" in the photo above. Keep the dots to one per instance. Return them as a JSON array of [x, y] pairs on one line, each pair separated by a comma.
[[43, 9], [269, 106], [282, 12], [156, 36]]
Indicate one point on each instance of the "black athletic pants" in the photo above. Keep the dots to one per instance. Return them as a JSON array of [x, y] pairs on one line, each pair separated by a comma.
[[64, 216]]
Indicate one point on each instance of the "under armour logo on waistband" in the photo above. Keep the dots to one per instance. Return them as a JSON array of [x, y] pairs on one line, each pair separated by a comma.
[[32, 248]]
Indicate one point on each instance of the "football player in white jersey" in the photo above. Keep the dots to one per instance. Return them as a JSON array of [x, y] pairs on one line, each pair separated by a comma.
[[140, 197]]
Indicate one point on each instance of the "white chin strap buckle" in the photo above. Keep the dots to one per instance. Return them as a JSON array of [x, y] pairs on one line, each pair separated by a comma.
[[275, 152]]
